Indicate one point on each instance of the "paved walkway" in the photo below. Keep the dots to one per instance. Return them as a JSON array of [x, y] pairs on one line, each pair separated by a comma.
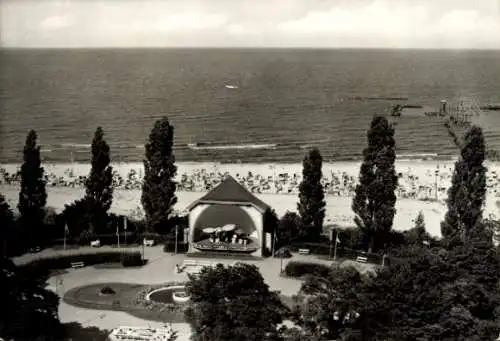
[[160, 269]]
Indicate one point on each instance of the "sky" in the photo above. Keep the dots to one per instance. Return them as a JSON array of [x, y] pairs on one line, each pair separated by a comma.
[[461, 24]]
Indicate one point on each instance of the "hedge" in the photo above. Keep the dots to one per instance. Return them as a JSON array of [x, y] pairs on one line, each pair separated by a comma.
[[170, 247], [43, 266], [299, 269], [284, 252]]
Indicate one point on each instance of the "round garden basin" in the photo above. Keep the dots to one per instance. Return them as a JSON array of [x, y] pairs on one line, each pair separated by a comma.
[[180, 297], [173, 294]]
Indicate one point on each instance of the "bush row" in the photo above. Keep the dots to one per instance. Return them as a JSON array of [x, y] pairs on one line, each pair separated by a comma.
[[169, 247], [299, 269], [42, 267]]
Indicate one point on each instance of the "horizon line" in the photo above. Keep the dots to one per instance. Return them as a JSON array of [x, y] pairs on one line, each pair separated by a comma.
[[245, 48]]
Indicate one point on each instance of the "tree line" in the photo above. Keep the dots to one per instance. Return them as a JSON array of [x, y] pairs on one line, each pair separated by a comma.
[[446, 290], [89, 216], [443, 291], [374, 202]]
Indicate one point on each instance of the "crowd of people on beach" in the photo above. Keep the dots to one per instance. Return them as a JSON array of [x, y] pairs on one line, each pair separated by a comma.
[[336, 183]]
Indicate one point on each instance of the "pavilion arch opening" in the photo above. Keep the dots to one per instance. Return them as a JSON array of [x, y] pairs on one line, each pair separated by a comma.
[[220, 215]]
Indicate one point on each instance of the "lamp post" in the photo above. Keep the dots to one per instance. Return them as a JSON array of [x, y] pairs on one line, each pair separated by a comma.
[[65, 233], [176, 234], [118, 235], [336, 242], [125, 228], [142, 242], [436, 173]]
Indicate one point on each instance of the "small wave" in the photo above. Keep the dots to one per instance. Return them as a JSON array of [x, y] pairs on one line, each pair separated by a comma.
[[229, 86], [379, 98], [75, 145], [418, 155], [202, 146], [46, 150]]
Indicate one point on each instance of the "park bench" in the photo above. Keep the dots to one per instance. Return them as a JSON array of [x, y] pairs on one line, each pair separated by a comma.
[[149, 242], [361, 259], [76, 265], [304, 251], [189, 262]]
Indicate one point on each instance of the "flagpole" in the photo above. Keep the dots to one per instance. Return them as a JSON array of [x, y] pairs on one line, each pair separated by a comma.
[[176, 233], [118, 235], [125, 228], [335, 251], [273, 245], [331, 237]]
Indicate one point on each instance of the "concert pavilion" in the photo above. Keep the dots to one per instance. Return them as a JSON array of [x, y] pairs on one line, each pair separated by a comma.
[[229, 219]]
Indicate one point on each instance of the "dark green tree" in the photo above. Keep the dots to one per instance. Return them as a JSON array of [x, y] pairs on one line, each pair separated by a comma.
[[6, 224], [418, 234], [98, 186], [271, 222], [32, 196], [434, 295], [288, 229], [467, 193], [233, 303], [375, 199], [312, 203], [327, 305], [158, 189], [29, 311]]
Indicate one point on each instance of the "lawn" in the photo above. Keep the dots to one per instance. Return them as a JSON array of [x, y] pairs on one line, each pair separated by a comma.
[[128, 298]]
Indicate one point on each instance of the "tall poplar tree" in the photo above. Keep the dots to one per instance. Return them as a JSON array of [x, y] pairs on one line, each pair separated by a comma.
[[467, 193], [6, 221], [311, 204], [33, 195], [375, 199], [158, 189], [99, 184]]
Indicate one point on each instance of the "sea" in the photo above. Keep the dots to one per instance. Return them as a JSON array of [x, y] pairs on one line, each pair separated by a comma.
[[238, 105]]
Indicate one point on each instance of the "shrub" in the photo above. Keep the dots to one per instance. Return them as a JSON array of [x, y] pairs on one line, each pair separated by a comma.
[[42, 267], [131, 259], [50, 216], [351, 238], [107, 291], [86, 237], [158, 238], [315, 248], [169, 247], [299, 269], [284, 252]]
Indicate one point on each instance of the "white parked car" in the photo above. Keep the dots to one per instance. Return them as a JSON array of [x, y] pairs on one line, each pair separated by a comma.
[[149, 242], [95, 243]]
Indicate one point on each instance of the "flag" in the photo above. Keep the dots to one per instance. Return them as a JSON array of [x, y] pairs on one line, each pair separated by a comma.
[[66, 230], [117, 232], [337, 240]]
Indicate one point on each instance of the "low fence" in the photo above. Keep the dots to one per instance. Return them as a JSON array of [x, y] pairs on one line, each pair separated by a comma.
[[342, 252]]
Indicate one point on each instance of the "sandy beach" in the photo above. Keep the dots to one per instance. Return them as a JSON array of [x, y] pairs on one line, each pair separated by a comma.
[[418, 176]]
